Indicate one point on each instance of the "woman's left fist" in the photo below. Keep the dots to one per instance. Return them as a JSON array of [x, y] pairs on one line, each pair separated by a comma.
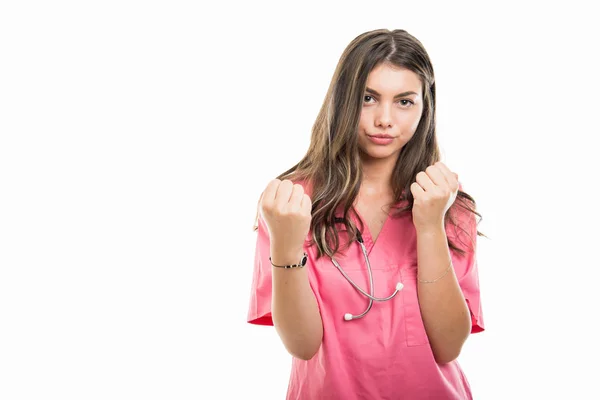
[[434, 192]]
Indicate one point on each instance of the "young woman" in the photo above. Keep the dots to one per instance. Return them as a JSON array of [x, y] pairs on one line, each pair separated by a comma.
[[365, 257]]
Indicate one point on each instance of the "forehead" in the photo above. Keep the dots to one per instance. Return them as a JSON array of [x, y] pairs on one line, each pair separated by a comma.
[[390, 80]]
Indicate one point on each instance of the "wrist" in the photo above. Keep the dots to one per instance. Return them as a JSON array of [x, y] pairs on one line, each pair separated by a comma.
[[432, 229], [286, 257]]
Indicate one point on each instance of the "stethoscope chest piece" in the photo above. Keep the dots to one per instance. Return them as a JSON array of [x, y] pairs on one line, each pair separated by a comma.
[[371, 295]]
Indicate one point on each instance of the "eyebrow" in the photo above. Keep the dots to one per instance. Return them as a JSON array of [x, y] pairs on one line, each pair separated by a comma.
[[373, 91]]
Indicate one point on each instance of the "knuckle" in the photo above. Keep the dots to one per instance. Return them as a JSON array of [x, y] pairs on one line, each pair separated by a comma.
[[266, 205]]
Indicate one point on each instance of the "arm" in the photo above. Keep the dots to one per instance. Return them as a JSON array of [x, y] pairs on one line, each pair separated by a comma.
[[443, 307], [295, 313]]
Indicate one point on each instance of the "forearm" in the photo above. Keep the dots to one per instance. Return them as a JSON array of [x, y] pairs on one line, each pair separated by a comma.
[[294, 307], [443, 306]]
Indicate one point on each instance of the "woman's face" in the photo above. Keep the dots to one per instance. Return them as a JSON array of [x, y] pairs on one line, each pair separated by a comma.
[[392, 105]]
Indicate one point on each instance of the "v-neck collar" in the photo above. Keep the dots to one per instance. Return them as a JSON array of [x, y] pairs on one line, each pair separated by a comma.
[[366, 232]]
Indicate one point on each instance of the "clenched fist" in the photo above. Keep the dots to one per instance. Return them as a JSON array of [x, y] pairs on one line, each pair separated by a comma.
[[286, 210], [434, 192]]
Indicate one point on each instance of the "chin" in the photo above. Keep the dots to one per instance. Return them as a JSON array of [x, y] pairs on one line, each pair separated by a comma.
[[379, 153]]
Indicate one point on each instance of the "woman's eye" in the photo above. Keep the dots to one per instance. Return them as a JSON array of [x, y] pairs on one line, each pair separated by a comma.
[[404, 102]]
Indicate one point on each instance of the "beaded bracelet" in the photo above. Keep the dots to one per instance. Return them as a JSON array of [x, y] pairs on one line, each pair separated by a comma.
[[437, 279]]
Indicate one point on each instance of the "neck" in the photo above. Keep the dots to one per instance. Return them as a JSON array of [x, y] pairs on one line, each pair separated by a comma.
[[377, 176]]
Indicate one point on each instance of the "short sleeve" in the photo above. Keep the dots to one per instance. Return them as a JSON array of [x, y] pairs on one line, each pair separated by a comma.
[[259, 311], [465, 266]]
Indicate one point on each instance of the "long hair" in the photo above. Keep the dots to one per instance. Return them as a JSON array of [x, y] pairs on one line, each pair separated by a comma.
[[332, 165]]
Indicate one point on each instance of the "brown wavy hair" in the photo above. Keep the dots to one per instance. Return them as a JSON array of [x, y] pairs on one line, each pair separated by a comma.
[[332, 165]]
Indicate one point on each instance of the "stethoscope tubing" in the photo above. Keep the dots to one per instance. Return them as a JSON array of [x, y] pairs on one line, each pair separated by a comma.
[[371, 295]]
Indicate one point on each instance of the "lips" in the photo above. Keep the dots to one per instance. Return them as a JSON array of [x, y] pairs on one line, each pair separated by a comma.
[[381, 140], [381, 136]]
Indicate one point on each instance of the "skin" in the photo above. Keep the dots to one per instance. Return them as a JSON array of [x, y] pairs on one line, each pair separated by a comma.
[[443, 308], [286, 210], [383, 114]]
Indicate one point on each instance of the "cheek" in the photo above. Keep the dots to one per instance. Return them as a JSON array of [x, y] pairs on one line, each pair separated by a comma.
[[363, 125], [364, 119], [412, 123]]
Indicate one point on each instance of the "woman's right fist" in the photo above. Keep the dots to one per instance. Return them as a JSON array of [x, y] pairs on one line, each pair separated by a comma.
[[286, 210]]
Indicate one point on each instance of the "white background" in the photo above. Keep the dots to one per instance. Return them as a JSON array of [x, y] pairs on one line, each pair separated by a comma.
[[136, 138]]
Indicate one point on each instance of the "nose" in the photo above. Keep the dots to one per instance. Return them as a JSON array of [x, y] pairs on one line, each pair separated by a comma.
[[384, 116]]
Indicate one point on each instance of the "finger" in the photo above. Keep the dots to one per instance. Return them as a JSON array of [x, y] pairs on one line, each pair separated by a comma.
[[436, 175], [284, 191], [425, 181], [306, 204], [268, 195], [416, 190], [296, 197], [451, 177]]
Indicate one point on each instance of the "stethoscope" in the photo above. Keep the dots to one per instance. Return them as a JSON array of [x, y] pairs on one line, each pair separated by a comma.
[[399, 285]]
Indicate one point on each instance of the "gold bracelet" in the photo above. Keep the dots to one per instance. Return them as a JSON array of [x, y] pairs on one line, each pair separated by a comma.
[[435, 280]]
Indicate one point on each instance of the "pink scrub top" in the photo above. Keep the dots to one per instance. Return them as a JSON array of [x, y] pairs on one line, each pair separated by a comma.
[[386, 354]]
